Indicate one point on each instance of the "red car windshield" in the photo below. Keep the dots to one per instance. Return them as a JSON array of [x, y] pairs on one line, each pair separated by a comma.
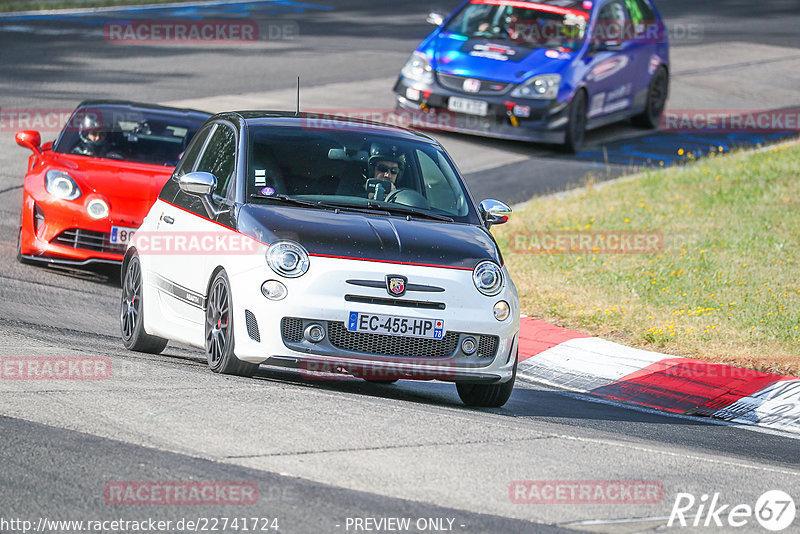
[[155, 137], [535, 25]]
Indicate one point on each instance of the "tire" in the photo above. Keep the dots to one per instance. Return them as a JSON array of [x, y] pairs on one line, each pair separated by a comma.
[[131, 317], [487, 395], [576, 127], [657, 93], [219, 341]]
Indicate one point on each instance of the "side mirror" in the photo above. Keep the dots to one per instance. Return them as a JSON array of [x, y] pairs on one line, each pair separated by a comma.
[[435, 18], [201, 184], [29, 139], [494, 212]]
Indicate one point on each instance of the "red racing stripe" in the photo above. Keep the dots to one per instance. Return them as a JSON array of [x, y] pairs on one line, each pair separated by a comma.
[[683, 385], [537, 336]]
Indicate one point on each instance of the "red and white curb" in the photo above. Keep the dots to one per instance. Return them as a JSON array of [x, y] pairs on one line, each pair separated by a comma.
[[575, 361]]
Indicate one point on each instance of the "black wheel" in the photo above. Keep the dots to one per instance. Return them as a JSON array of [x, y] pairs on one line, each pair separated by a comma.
[[576, 128], [487, 395], [656, 100], [219, 331], [131, 316]]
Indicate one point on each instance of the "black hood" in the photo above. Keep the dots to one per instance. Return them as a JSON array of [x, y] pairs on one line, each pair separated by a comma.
[[378, 238]]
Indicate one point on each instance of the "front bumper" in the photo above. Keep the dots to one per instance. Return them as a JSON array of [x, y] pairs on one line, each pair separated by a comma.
[[546, 121], [271, 332], [61, 232]]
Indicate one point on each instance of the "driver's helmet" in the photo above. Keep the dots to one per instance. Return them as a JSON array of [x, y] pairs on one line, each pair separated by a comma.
[[91, 130], [383, 152]]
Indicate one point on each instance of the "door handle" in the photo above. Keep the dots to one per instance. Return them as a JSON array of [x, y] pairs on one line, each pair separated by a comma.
[[167, 219]]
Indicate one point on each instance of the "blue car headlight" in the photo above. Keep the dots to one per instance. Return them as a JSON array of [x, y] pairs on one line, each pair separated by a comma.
[[61, 185], [287, 259], [488, 278], [542, 87], [418, 68]]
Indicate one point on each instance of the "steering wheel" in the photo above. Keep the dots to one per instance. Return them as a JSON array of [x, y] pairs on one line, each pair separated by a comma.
[[408, 197]]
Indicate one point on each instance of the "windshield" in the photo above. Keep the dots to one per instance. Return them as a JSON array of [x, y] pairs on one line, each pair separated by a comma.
[[534, 25], [353, 169], [154, 137]]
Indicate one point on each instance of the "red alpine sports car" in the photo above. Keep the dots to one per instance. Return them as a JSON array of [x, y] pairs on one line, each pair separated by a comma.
[[87, 192]]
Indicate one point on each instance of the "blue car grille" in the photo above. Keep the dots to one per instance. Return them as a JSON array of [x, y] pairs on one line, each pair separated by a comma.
[[488, 87]]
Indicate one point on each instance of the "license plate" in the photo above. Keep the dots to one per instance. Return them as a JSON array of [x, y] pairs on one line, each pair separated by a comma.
[[396, 326], [467, 105], [121, 235]]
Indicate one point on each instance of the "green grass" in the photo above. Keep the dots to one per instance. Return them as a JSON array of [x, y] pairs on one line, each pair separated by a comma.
[[726, 285], [37, 5]]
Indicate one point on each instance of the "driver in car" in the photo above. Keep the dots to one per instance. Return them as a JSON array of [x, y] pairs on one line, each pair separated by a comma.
[[386, 166], [92, 137]]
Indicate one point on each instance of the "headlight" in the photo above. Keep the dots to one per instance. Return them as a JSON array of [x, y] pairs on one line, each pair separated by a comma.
[[501, 310], [287, 259], [488, 278], [418, 68], [61, 185], [97, 209], [544, 87]]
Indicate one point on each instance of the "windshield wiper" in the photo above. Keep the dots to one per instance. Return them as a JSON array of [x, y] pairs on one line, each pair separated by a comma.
[[287, 199], [371, 207], [375, 207], [417, 212]]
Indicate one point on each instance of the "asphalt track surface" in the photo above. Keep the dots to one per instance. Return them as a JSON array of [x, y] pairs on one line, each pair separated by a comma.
[[323, 452]]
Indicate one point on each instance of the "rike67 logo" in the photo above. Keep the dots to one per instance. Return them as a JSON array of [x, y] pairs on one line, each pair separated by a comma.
[[774, 510]]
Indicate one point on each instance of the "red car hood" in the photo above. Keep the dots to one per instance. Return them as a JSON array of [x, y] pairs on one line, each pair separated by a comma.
[[130, 188]]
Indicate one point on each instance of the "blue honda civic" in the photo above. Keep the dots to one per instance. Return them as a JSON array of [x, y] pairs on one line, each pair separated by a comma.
[[544, 71]]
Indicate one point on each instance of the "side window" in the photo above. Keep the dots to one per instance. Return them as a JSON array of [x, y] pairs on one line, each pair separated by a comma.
[[612, 22], [186, 164], [637, 17], [219, 157], [438, 190]]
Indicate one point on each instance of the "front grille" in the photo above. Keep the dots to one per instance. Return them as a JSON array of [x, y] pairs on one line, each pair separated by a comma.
[[487, 346], [396, 302], [252, 326], [292, 329], [488, 87], [88, 240], [343, 339]]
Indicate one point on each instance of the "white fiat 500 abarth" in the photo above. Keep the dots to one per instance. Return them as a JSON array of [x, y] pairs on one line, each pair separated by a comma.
[[326, 244]]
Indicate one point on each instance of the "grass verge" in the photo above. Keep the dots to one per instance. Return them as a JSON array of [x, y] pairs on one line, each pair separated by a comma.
[[723, 287]]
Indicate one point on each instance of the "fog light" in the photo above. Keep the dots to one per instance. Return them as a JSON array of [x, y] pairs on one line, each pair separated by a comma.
[[97, 209], [469, 345], [274, 290], [501, 310], [314, 333]]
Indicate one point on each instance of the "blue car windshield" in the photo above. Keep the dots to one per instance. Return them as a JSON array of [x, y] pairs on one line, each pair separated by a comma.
[[528, 24]]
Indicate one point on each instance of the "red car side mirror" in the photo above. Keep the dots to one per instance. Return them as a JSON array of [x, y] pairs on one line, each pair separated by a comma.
[[29, 139]]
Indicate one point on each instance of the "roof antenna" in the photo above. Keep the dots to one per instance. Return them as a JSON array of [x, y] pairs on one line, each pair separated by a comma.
[[297, 109]]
